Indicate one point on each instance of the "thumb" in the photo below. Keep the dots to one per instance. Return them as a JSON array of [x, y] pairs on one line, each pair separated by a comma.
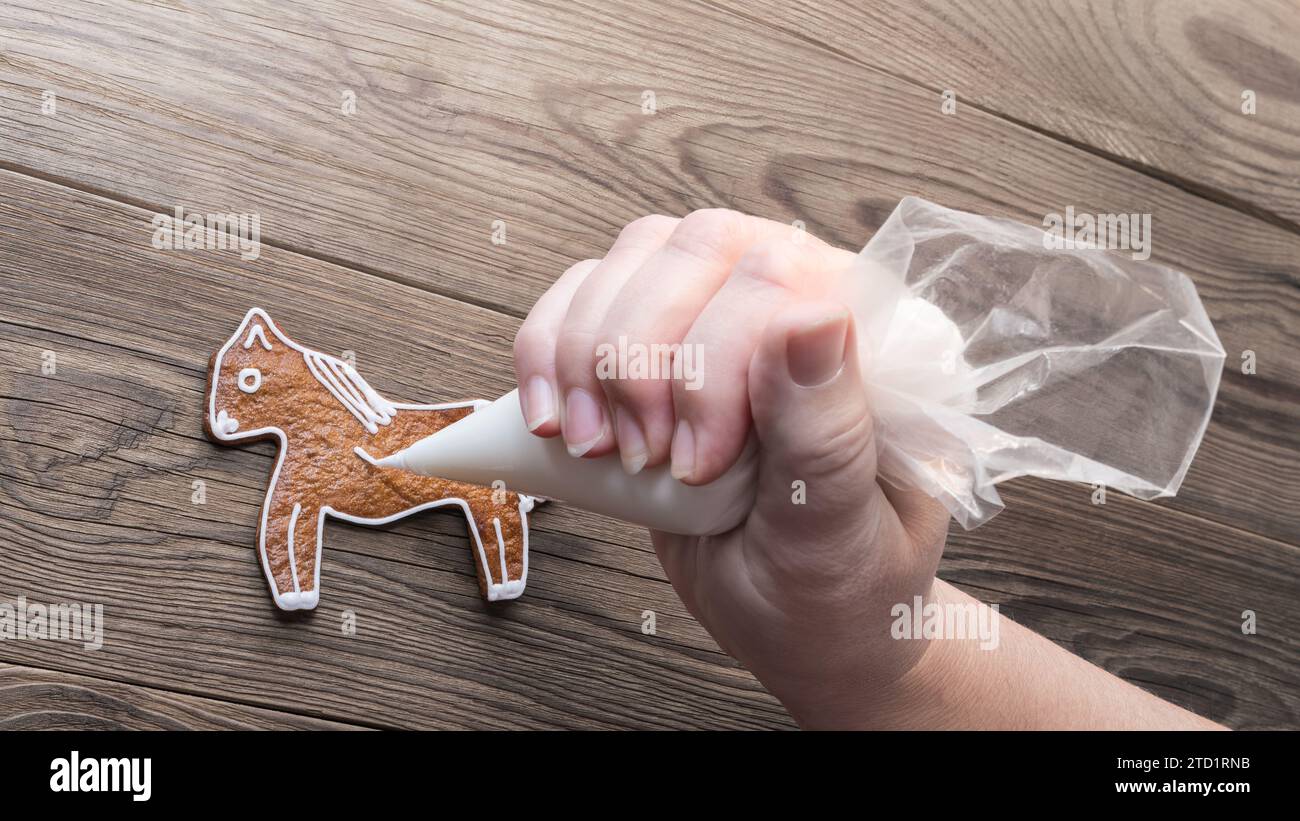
[[817, 472]]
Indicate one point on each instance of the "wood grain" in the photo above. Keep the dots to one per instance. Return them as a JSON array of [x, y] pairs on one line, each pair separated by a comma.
[[32, 699], [1154, 85], [531, 114], [97, 461], [1145, 592]]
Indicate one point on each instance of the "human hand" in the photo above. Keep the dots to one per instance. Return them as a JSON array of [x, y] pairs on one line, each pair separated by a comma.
[[801, 592]]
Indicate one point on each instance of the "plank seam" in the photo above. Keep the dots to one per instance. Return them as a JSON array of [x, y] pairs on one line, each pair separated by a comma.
[[182, 692]]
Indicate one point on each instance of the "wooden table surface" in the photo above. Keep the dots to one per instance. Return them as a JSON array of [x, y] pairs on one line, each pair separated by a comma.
[[376, 228]]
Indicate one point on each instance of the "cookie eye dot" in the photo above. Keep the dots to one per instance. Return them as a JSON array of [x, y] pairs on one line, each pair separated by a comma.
[[250, 379]]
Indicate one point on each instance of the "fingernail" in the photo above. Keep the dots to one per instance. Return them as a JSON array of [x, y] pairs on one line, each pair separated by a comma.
[[815, 353], [584, 421], [539, 402], [683, 450], [631, 442]]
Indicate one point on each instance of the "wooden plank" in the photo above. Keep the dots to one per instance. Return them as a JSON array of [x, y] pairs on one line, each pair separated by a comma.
[[532, 115], [1154, 596], [32, 699], [98, 459], [1157, 86]]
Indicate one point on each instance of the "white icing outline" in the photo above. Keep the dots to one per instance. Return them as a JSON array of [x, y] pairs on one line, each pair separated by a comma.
[[293, 559], [224, 429], [257, 381], [254, 334]]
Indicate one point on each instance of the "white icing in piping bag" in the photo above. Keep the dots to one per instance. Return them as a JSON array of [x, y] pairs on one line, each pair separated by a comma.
[[494, 444]]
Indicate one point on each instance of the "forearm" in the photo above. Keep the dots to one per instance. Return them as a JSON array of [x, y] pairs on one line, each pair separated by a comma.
[[1025, 682]]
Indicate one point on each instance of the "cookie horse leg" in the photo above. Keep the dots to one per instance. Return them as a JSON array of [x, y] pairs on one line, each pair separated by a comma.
[[501, 546], [289, 541]]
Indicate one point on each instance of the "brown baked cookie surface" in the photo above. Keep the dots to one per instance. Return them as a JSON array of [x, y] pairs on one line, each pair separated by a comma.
[[331, 425]]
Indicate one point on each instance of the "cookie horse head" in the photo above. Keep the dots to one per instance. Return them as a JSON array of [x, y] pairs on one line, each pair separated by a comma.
[[331, 426]]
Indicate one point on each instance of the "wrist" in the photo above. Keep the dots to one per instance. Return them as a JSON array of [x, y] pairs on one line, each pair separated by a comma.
[[872, 704], [903, 679], [936, 690]]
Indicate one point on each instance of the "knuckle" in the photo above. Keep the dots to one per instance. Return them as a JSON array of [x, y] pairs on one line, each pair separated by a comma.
[[532, 337], [573, 354], [773, 262], [604, 351], [652, 228], [638, 393], [619, 359], [707, 232], [583, 268], [605, 341], [571, 340], [828, 456]]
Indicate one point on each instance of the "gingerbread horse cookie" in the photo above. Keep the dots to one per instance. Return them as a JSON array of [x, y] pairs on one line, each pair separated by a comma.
[[331, 427]]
